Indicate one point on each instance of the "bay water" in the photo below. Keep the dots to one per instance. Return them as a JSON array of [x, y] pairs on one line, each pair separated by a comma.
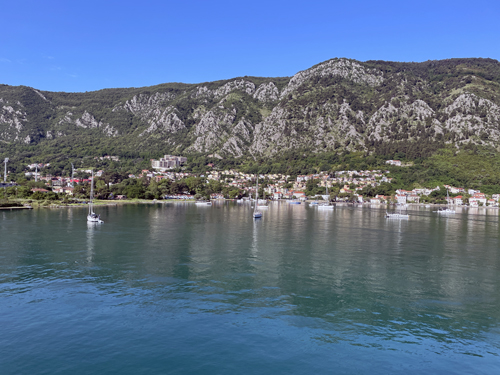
[[176, 288]]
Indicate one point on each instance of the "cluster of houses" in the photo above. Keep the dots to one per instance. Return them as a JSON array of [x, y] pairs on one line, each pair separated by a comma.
[[108, 157], [475, 197], [279, 186], [358, 178]]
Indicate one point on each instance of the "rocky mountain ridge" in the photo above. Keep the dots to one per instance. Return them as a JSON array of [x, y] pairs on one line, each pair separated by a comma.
[[338, 105]]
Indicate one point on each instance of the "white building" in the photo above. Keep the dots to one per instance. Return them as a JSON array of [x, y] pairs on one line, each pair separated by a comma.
[[414, 198], [168, 162], [397, 163], [477, 199], [401, 198]]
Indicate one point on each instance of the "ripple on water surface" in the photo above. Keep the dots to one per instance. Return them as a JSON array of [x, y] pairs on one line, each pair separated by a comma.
[[183, 289]]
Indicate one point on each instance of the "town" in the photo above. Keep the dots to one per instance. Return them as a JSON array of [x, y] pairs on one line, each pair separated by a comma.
[[166, 180]]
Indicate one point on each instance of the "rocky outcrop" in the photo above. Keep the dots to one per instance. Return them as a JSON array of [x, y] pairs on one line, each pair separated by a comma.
[[143, 104], [240, 85], [266, 92], [12, 120], [88, 121], [166, 121], [343, 68], [470, 115]]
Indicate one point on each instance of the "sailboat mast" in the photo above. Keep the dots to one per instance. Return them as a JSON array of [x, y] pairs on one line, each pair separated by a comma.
[[256, 194], [91, 193]]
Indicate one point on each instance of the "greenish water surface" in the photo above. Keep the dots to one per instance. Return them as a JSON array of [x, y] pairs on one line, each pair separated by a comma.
[[182, 289]]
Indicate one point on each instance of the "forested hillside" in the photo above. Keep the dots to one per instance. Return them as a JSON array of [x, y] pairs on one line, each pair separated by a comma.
[[377, 108]]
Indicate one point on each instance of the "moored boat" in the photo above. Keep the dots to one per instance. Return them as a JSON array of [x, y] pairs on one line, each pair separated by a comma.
[[203, 203], [92, 217], [257, 213]]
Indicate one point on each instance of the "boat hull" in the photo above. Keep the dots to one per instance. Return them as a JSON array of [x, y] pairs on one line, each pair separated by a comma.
[[325, 207], [397, 216], [94, 219]]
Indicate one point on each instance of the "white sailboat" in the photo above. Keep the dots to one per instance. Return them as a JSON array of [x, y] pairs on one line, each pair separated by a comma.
[[256, 213], [262, 203], [92, 217], [446, 210], [326, 205], [397, 215], [203, 203]]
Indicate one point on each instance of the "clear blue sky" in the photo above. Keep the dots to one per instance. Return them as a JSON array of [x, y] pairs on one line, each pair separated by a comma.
[[74, 45]]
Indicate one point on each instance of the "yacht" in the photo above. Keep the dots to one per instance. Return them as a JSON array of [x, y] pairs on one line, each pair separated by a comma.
[[203, 203], [262, 203], [92, 217], [446, 210], [325, 206], [256, 213], [396, 215]]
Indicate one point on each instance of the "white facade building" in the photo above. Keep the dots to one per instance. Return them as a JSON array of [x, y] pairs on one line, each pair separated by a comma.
[[168, 162]]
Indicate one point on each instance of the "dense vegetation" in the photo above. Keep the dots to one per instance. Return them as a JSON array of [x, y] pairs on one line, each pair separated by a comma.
[[52, 127]]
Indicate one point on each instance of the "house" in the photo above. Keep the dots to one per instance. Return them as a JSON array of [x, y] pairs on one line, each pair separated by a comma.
[[454, 190], [413, 198], [492, 203], [375, 200], [299, 194], [401, 198], [277, 195], [457, 200], [397, 163], [61, 189], [40, 190], [478, 199]]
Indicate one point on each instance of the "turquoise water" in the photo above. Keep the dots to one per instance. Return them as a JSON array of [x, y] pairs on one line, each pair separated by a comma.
[[182, 289]]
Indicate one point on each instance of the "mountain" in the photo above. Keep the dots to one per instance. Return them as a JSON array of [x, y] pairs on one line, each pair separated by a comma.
[[339, 105]]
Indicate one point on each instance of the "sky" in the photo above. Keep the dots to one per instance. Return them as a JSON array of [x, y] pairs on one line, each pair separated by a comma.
[[78, 46]]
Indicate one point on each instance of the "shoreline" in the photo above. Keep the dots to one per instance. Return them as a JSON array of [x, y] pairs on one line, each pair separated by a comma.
[[30, 204]]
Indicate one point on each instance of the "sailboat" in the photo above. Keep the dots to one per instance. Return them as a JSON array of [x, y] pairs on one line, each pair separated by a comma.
[[326, 205], [397, 215], [256, 213], [446, 210], [92, 217]]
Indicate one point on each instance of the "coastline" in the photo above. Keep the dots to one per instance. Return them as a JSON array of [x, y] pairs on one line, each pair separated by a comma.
[[30, 204]]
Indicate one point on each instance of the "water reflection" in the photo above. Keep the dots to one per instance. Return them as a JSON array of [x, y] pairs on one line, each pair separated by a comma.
[[345, 274], [91, 228]]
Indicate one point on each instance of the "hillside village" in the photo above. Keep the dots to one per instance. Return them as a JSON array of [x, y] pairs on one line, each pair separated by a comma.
[[358, 186]]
